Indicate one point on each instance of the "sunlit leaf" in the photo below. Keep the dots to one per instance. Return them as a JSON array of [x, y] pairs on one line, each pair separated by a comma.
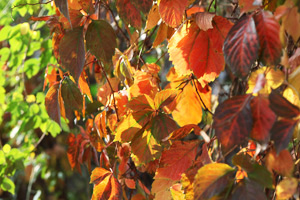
[[84, 86], [106, 186], [233, 121], [72, 53], [241, 46], [286, 188], [211, 179], [101, 40], [184, 131], [153, 17], [172, 11], [200, 51]]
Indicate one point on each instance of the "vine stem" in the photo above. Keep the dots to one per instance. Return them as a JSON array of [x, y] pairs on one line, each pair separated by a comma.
[[31, 4], [114, 18], [112, 90]]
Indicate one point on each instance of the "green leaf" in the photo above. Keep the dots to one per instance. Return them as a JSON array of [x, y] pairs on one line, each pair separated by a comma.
[[8, 185], [261, 175], [2, 158], [6, 148], [72, 53], [71, 95], [101, 40]]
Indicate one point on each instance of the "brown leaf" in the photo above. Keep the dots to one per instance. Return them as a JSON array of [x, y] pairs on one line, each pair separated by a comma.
[[204, 20], [282, 163], [52, 103]]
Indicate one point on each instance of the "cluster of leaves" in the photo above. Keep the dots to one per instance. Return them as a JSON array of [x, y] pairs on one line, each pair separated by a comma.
[[173, 124]]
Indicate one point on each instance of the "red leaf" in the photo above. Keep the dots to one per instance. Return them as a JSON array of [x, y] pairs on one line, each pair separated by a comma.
[[101, 40], [263, 119], [52, 103], [268, 33], [143, 5], [200, 51], [106, 186], [73, 151], [172, 12], [129, 13], [282, 133], [233, 121], [71, 51], [282, 107], [241, 46]]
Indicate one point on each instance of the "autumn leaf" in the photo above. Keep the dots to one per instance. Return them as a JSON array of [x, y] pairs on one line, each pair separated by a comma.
[[71, 52], [63, 7], [172, 12], [52, 103], [282, 132], [282, 107], [233, 121], [268, 33], [101, 40], [190, 93], [71, 94], [192, 49], [211, 179], [153, 17], [106, 186], [248, 190], [204, 20], [76, 18], [263, 119], [84, 86], [173, 162], [129, 11], [286, 188], [275, 162], [291, 23], [241, 46]]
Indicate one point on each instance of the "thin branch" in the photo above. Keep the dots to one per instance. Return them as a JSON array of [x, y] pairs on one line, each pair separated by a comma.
[[116, 22], [212, 1], [163, 55], [205, 107], [31, 4], [40, 140], [112, 90]]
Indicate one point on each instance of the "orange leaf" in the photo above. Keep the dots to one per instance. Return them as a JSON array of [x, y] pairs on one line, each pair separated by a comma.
[[100, 124], [282, 163], [153, 17], [184, 131], [106, 186], [188, 101], [172, 12], [200, 51], [105, 91], [84, 86], [130, 183]]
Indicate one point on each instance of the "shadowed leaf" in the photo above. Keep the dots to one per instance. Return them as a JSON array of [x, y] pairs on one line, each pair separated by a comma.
[[52, 103], [248, 190], [101, 40], [233, 121], [241, 46], [71, 52], [282, 107], [71, 95], [63, 7], [263, 119], [282, 132]]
